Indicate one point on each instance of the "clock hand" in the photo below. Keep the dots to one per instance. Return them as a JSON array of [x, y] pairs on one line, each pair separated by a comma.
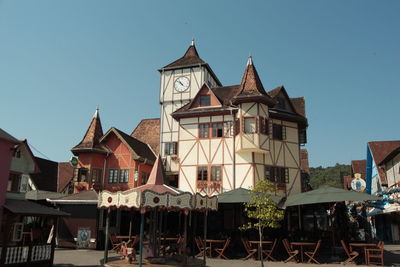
[[180, 83]]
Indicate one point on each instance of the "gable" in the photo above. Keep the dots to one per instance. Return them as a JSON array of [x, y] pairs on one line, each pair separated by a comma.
[[205, 91], [283, 102]]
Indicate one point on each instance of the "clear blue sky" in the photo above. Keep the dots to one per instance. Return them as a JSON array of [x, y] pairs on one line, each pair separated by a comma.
[[60, 59]]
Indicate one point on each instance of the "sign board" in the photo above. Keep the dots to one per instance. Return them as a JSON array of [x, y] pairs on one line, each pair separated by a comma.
[[358, 184], [73, 161], [83, 238]]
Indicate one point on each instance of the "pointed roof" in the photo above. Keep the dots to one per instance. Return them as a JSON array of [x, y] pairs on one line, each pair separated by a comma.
[[141, 151], [251, 85], [148, 131], [155, 182], [191, 57], [90, 141]]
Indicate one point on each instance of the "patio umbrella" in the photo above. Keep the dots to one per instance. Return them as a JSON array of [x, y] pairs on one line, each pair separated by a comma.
[[326, 194], [241, 195]]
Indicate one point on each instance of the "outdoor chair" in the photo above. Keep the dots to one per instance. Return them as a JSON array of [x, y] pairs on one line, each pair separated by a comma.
[[375, 253], [115, 243], [250, 251], [200, 247], [312, 254], [351, 256], [268, 252], [221, 251], [292, 253]]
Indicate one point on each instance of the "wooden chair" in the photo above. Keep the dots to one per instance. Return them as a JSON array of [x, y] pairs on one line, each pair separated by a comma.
[[351, 256], [250, 251], [311, 254], [115, 243], [292, 253], [268, 252], [375, 253], [200, 247], [221, 251]]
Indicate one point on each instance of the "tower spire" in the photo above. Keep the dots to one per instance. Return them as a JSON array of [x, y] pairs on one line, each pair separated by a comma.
[[192, 43]]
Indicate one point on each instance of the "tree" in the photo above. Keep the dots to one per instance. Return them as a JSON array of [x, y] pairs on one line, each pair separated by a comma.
[[262, 210]]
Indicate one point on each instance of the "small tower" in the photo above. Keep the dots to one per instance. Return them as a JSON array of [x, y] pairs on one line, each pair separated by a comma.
[[90, 141]]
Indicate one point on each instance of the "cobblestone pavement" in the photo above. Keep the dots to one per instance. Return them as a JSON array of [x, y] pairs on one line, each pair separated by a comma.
[[91, 258]]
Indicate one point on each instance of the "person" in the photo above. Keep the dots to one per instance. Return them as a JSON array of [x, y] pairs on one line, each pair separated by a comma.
[[148, 251]]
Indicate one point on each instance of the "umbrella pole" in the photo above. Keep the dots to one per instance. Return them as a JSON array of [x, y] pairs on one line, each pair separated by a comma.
[[205, 237], [107, 212], [130, 225], [185, 242], [141, 238]]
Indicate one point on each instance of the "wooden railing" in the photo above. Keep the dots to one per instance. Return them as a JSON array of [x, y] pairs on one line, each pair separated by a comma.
[[26, 254]]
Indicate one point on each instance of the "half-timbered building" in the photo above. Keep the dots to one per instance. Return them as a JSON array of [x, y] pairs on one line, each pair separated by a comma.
[[216, 138]]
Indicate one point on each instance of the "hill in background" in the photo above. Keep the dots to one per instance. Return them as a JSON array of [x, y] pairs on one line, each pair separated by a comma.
[[328, 175]]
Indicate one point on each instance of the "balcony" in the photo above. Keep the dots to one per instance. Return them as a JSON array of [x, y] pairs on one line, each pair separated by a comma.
[[209, 187]]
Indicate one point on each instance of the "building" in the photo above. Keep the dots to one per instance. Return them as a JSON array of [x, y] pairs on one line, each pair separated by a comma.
[[216, 138], [114, 161]]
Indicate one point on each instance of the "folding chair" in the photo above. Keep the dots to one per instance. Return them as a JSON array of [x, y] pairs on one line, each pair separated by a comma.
[[200, 247], [292, 253], [311, 254], [250, 251], [221, 251], [116, 245], [375, 253], [351, 256], [268, 252]]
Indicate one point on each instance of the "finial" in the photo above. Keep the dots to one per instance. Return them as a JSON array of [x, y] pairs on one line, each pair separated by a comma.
[[250, 61], [96, 113], [192, 43]]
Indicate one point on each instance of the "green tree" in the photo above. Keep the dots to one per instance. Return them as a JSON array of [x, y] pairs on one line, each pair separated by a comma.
[[262, 210]]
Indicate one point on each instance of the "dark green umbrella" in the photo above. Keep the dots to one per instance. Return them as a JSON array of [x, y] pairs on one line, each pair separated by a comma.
[[326, 194], [241, 195]]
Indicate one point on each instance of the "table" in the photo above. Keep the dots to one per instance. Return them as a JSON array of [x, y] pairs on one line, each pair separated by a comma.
[[214, 241], [363, 246], [257, 243], [301, 245]]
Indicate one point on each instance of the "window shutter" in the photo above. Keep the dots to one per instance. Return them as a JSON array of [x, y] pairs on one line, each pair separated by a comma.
[[257, 121], [175, 148], [237, 126], [286, 173], [270, 128], [283, 132]]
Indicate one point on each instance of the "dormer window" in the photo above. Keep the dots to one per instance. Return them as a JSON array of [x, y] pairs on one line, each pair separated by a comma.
[[205, 101]]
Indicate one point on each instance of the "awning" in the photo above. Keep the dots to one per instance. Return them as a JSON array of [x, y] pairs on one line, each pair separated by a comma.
[[29, 208], [327, 194], [241, 195], [42, 195], [377, 211]]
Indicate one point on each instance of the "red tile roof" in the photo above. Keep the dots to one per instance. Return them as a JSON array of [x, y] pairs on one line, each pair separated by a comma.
[[380, 150], [65, 175], [148, 131], [46, 179], [359, 166], [191, 57], [299, 105]]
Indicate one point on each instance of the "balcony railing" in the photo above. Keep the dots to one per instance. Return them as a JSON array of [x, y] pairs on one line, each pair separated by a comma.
[[209, 187], [27, 254]]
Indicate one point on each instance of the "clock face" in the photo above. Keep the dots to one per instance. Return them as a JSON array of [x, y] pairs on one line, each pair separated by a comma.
[[182, 84]]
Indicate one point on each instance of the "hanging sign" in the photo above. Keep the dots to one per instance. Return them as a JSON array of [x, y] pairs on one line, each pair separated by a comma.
[[358, 184]]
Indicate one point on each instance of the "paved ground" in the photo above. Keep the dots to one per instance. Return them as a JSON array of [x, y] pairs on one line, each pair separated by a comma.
[[91, 258]]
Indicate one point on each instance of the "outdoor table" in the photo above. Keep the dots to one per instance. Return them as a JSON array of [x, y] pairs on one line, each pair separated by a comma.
[[301, 245], [214, 241], [362, 246], [257, 244]]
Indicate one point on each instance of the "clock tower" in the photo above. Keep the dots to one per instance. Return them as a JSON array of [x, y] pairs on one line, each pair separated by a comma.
[[180, 82]]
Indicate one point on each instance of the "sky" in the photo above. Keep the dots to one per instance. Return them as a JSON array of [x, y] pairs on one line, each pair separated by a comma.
[[59, 60]]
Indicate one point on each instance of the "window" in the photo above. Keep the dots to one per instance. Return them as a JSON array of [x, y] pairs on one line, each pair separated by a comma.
[[303, 136], [249, 125], [202, 173], [217, 129], [277, 175], [263, 126], [205, 100], [113, 176], [145, 177], [83, 175], [17, 232], [280, 103], [216, 173], [204, 130], [171, 148], [14, 182], [123, 176], [278, 132], [227, 128], [96, 175], [17, 153]]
